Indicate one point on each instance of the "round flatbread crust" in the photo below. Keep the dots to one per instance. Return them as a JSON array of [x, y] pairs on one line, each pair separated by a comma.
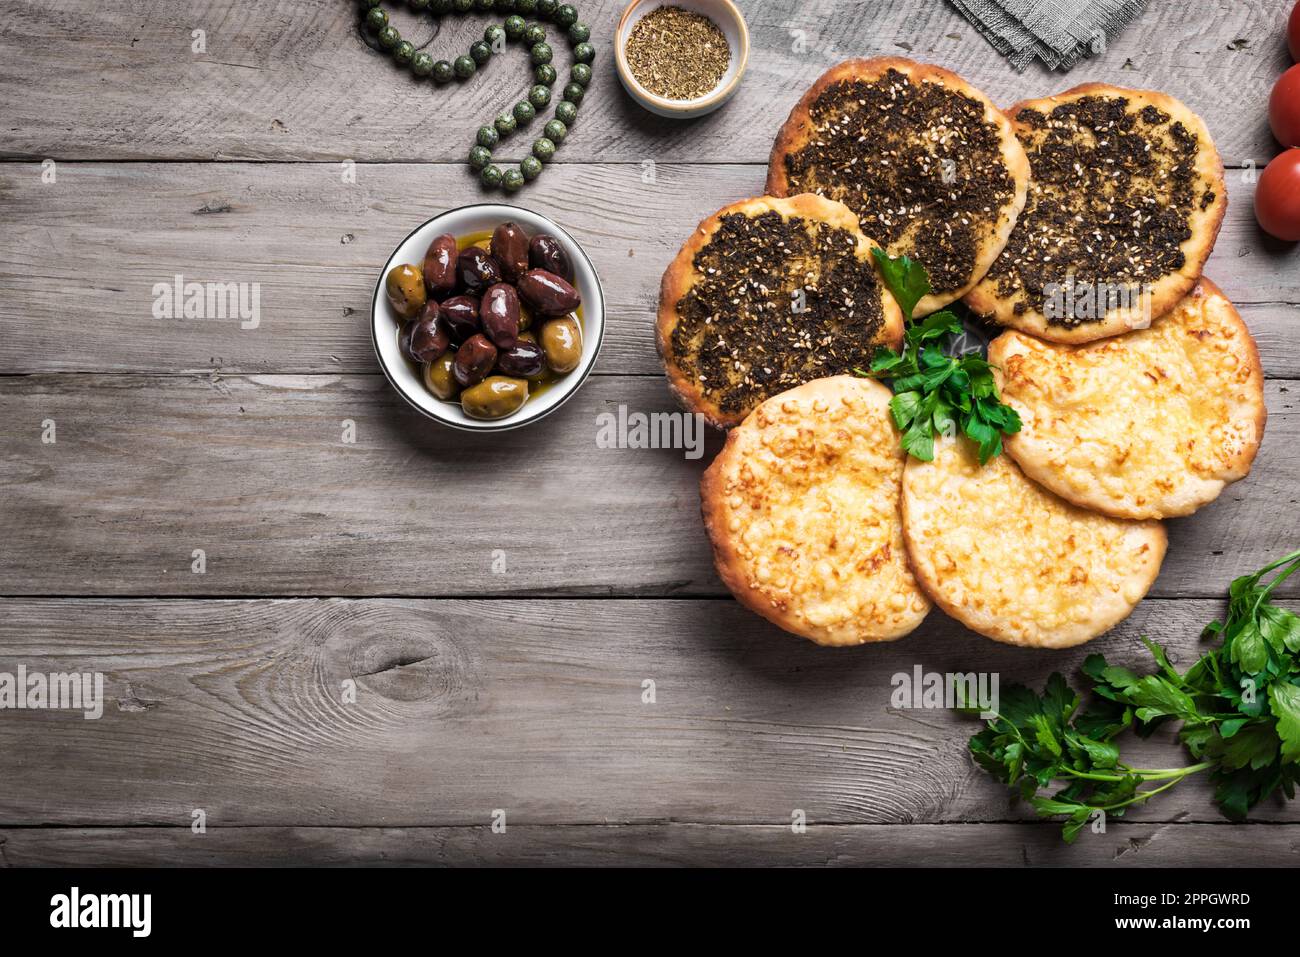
[[802, 509], [798, 131], [1152, 424], [1168, 290], [1014, 562], [682, 275]]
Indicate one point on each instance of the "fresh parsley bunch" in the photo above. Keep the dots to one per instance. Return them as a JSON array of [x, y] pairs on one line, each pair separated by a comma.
[[935, 393], [1238, 705]]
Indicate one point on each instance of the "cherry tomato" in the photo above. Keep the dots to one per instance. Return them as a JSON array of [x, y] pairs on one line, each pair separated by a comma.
[[1293, 32], [1284, 107], [1277, 197]]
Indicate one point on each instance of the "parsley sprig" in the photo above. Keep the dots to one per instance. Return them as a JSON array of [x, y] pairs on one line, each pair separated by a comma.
[[1238, 708], [935, 393]]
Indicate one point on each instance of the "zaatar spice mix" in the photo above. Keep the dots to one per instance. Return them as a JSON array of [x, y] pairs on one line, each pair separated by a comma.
[[677, 54]]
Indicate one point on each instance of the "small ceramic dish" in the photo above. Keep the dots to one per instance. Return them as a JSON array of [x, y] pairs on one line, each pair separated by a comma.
[[406, 378], [732, 24]]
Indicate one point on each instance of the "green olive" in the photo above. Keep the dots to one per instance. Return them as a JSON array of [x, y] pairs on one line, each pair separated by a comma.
[[439, 378], [405, 287], [561, 340], [525, 316], [495, 397]]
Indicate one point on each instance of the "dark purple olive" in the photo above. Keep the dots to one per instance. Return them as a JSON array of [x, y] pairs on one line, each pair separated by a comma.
[[460, 313], [474, 360], [545, 252], [440, 267], [429, 335], [547, 293], [477, 269], [499, 314], [510, 249], [526, 360], [404, 338]]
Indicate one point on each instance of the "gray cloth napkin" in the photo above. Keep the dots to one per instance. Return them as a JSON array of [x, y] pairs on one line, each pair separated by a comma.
[[1058, 32]]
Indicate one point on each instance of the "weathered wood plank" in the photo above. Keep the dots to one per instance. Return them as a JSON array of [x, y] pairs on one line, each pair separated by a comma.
[[79, 259], [531, 706], [253, 470], [658, 845], [292, 80]]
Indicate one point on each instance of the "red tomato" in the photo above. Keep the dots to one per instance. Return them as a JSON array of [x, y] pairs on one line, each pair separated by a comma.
[[1277, 197], [1293, 32], [1284, 107]]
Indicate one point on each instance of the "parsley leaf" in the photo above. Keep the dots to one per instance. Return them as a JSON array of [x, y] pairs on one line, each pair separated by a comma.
[[935, 393], [1238, 707]]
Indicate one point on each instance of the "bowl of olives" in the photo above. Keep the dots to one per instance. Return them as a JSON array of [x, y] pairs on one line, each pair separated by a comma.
[[488, 317]]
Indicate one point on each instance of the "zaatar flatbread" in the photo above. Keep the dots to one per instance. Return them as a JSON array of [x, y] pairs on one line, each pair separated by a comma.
[[768, 294], [1124, 207], [930, 166]]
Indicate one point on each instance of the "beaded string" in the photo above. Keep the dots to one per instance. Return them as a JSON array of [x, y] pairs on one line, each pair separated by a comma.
[[515, 29]]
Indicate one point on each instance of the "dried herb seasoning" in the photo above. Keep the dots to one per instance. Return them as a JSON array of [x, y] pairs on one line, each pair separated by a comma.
[[677, 54]]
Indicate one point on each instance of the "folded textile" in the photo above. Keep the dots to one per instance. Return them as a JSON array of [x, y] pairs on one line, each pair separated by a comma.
[[1058, 32]]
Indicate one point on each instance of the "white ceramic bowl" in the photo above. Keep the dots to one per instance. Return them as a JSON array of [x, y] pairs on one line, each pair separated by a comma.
[[729, 20], [406, 378]]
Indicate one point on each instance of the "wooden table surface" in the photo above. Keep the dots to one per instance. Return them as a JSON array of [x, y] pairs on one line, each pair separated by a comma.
[[482, 688]]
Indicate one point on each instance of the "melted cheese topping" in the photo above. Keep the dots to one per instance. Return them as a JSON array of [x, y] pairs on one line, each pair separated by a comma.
[[806, 517], [1147, 425], [1014, 562]]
